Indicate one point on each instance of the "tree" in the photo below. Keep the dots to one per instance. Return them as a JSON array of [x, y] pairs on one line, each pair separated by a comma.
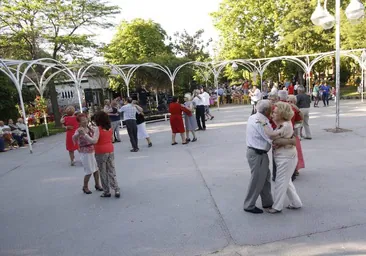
[[141, 41], [54, 25], [192, 47], [137, 41], [248, 29]]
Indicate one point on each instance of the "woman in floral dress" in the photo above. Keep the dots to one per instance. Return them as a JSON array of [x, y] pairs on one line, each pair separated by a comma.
[[86, 150]]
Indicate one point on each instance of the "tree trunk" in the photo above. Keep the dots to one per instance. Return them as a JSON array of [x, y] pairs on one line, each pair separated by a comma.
[[54, 103]]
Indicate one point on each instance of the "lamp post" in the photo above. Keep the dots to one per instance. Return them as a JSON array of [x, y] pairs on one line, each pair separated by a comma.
[[363, 65], [321, 17]]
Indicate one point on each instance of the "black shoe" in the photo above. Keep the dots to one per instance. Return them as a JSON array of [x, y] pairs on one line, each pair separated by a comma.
[[117, 194], [188, 139], [98, 188], [86, 191], [256, 210], [134, 150], [194, 139], [150, 145], [212, 117], [105, 195], [199, 129]]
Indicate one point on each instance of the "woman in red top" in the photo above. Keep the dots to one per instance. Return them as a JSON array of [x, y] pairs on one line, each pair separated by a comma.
[[104, 153], [291, 89], [70, 123], [176, 120]]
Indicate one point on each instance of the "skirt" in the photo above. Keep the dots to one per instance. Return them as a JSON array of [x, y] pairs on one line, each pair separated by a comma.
[[191, 123], [89, 163], [141, 131], [300, 156]]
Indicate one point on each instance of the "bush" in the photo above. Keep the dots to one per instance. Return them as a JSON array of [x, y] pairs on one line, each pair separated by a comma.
[[40, 130]]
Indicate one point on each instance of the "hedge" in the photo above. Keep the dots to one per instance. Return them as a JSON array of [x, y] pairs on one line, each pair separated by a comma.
[[40, 130]]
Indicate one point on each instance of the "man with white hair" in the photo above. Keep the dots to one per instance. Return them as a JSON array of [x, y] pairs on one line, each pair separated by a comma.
[[257, 154], [282, 95]]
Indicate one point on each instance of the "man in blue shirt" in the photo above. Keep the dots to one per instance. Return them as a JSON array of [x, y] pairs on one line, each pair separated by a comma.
[[325, 89]]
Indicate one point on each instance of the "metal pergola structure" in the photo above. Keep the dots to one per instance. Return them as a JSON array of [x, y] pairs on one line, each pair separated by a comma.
[[18, 71]]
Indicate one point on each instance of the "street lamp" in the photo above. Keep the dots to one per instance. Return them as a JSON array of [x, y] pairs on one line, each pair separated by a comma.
[[363, 67], [321, 17]]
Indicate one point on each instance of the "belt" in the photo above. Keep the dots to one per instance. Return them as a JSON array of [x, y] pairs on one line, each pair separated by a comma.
[[259, 151]]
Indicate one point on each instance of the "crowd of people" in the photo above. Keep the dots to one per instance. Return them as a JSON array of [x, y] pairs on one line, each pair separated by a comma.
[[278, 123], [13, 136]]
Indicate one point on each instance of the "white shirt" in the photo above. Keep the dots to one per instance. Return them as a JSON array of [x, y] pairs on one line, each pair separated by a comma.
[[129, 112], [198, 101], [256, 138], [206, 98], [256, 95], [274, 90]]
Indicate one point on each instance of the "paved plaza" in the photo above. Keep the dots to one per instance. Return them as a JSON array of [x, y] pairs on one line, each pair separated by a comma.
[[188, 200]]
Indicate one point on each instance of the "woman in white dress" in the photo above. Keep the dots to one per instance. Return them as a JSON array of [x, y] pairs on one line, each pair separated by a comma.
[[285, 158], [141, 126], [86, 151]]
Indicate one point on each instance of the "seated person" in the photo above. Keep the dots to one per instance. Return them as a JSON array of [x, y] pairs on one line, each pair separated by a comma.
[[2, 142], [23, 127], [7, 135], [17, 134]]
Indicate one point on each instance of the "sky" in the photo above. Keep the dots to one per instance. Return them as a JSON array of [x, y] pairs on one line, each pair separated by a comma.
[[173, 15]]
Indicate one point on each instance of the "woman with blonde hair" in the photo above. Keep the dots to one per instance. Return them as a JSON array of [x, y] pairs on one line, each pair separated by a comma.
[[285, 158], [70, 123], [189, 120]]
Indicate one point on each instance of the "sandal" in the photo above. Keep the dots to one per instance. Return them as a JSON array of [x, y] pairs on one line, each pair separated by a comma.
[[175, 143], [273, 211], [105, 195]]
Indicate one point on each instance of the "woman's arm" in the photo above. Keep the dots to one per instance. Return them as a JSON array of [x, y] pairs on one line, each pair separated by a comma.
[[269, 132], [95, 138], [139, 109], [75, 136]]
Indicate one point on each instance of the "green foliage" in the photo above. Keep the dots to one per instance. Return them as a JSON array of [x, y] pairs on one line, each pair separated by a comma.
[[40, 130], [191, 47], [267, 28], [26, 24], [137, 41]]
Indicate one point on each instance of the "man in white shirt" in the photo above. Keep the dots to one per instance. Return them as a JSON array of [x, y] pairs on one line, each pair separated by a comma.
[[199, 101], [206, 98], [258, 145], [255, 96], [129, 116]]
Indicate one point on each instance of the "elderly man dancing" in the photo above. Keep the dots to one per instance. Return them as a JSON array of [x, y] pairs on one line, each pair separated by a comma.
[[257, 154]]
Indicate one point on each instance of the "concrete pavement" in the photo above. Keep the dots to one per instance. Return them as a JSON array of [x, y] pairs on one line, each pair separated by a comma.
[[187, 200]]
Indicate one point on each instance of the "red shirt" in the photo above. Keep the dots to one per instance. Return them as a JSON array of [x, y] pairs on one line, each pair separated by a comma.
[[104, 144], [291, 89]]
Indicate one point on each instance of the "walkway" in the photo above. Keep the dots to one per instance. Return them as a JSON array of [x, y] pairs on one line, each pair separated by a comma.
[[187, 200]]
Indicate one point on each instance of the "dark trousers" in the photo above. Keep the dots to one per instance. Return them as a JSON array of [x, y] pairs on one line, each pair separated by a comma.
[[325, 99], [132, 132], [19, 140], [2, 144], [200, 117]]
